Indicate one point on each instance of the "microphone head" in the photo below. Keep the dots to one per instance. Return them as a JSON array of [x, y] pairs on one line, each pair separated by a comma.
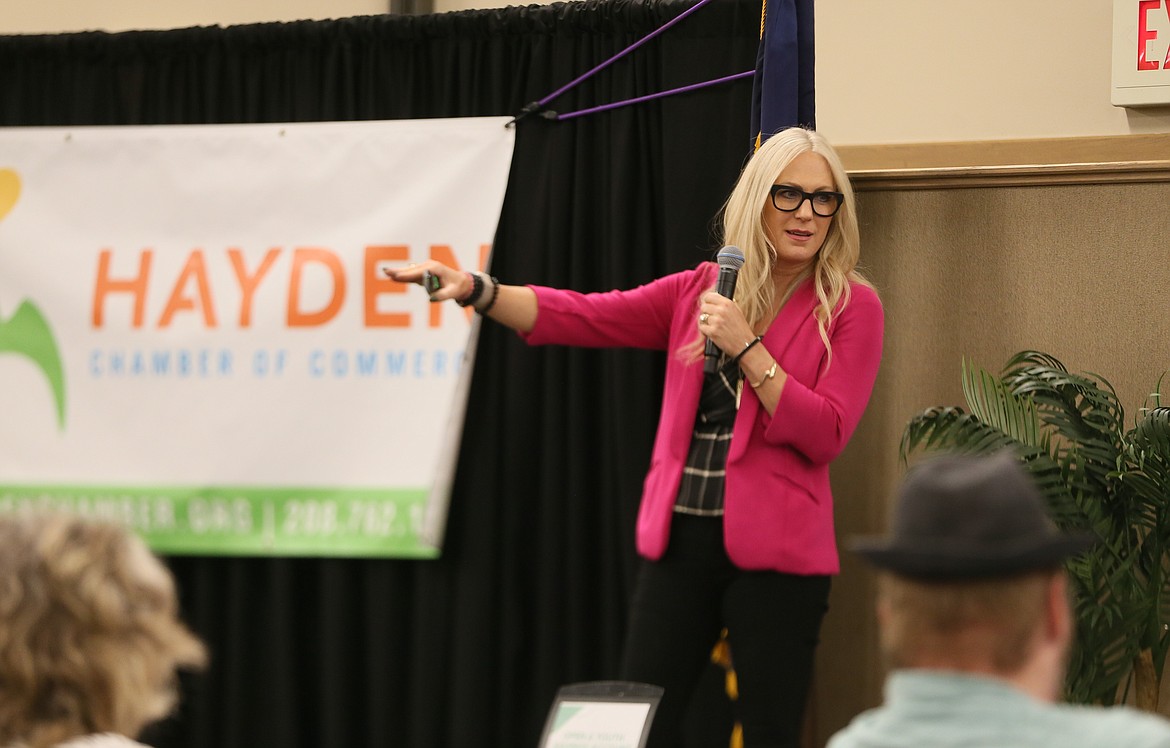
[[729, 258]]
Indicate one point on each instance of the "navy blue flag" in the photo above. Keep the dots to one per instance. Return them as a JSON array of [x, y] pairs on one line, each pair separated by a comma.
[[783, 90]]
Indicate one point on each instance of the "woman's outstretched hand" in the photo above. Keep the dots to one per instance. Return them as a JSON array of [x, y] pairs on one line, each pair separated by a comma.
[[452, 283], [511, 306]]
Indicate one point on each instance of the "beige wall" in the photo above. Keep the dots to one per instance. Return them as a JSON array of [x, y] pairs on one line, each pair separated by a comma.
[[906, 71], [1076, 271], [57, 16], [1079, 272], [899, 71]]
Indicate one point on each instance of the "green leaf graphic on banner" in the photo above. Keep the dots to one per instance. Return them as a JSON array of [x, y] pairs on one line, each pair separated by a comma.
[[28, 334]]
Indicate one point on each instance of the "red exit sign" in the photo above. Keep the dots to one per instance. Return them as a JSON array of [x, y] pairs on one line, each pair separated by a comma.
[[1147, 34], [1141, 52]]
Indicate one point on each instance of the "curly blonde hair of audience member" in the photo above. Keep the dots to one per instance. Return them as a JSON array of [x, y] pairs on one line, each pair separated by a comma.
[[974, 623], [91, 639], [743, 226]]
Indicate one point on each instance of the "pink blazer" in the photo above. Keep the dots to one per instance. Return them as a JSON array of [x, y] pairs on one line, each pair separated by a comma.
[[778, 507]]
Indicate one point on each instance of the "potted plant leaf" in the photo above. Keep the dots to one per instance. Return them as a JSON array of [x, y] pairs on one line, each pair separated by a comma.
[[1097, 475]]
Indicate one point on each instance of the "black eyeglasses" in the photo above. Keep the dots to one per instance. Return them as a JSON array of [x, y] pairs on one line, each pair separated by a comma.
[[787, 198]]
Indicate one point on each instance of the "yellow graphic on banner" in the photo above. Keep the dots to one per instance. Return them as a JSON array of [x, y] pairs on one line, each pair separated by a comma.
[[9, 191]]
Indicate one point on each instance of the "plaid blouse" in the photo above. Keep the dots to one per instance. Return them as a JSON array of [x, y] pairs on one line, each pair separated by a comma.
[[701, 489]]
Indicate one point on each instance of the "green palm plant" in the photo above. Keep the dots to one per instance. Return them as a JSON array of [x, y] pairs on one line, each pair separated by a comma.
[[1069, 431]]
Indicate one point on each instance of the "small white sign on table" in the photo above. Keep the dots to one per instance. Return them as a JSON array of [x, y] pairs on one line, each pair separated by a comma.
[[601, 714]]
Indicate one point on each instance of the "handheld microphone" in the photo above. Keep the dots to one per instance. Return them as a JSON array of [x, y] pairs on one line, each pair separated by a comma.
[[730, 260]]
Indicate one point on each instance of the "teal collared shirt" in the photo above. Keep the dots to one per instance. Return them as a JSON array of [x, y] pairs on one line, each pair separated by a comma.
[[954, 710]]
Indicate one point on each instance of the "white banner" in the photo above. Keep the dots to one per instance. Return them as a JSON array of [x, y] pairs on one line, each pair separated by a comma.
[[196, 335]]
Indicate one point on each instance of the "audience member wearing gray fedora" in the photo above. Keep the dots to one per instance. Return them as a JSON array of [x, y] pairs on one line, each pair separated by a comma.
[[974, 617], [965, 517]]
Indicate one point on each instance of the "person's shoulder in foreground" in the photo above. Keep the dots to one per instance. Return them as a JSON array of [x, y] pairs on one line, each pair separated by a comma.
[[959, 710], [102, 740]]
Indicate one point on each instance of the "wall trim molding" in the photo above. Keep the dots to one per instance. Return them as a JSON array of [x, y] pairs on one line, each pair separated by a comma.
[[1009, 163]]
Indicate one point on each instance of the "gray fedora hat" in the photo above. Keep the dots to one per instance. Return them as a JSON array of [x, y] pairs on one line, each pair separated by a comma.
[[969, 517]]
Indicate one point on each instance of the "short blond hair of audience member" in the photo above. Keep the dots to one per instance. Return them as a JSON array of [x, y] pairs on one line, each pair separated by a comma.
[[991, 623], [91, 639]]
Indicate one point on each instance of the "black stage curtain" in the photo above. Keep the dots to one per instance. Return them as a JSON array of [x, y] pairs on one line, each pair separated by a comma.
[[532, 586]]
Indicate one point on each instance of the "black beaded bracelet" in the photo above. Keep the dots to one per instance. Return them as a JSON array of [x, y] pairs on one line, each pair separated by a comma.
[[476, 291], [495, 295], [746, 348]]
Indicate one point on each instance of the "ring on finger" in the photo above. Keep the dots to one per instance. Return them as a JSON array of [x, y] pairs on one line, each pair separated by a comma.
[[703, 318]]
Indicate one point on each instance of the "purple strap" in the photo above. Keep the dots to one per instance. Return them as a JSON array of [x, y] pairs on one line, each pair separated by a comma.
[[540, 104], [648, 97]]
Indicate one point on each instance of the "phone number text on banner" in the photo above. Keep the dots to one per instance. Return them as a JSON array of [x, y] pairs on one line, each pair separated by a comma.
[[248, 521]]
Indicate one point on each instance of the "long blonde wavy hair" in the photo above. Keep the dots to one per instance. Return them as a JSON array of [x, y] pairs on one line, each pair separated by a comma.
[[90, 638], [835, 264]]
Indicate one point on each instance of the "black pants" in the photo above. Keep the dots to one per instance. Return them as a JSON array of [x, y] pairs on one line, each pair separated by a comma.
[[681, 605]]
